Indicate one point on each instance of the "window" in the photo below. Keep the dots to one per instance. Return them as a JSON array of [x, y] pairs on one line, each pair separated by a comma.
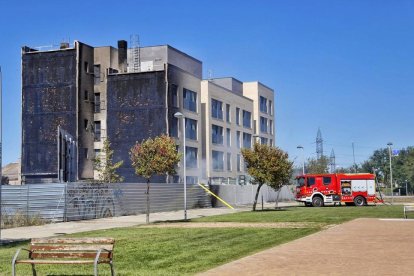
[[173, 93], [86, 67], [189, 100], [311, 181], [86, 153], [263, 141], [263, 104], [216, 109], [237, 116], [238, 163], [86, 124], [97, 103], [270, 107], [326, 180], [227, 113], [191, 179], [173, 127], [271, 142], [263, 124], [97, 153], [97, 126], [217, 134], [86, 95], [247, 140], [191, 157], [228, 137], [270, 126], [229, 161], [218, 162], [97, 73], [247, 119], [190, 129], [238, 142]]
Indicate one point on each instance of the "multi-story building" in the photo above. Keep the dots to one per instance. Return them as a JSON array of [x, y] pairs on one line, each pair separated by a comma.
[[229, 125], [89, 94], [73, 98], [263, 111]]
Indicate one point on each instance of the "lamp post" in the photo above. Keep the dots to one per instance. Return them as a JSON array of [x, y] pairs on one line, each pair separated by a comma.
[[303, 158], [180, 115], [256, 138], [389, 152]]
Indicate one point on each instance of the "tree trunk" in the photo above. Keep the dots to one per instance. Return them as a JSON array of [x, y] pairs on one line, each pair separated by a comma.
[[277, 198], [256, 196], [148, 200]]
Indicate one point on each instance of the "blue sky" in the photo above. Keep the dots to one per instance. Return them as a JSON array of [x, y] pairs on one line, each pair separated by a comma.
[[344, 66]]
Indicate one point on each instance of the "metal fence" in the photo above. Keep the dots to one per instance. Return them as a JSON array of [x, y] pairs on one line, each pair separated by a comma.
[[81, 201]]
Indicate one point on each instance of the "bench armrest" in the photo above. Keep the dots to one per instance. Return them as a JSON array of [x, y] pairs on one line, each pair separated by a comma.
[[98, 253], [18, 252]]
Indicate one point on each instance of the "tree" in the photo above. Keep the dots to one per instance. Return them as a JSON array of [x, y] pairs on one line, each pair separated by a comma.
[[156, 156], [267, 165], [317, 165], [103, 163], [402, 166]]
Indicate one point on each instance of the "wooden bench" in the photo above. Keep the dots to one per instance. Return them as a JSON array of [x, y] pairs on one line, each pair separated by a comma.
[[76, 251], [407, 209]]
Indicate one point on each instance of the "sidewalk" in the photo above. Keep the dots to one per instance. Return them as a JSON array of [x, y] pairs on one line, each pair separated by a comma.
[[359, 247]]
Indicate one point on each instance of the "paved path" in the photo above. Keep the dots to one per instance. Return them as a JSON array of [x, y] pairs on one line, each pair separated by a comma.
[[358, 247]]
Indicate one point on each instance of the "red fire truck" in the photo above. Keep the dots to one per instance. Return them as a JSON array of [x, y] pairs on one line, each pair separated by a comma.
[[351, 189]]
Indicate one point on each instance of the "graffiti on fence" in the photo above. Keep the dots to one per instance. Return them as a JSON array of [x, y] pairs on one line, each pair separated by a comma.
[[88, 201]]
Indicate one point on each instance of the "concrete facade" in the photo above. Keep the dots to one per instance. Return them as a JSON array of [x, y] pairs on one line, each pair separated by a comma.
[[263, 112], [226, 146]]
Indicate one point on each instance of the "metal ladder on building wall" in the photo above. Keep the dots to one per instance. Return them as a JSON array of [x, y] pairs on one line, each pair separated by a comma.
[[135, 50]]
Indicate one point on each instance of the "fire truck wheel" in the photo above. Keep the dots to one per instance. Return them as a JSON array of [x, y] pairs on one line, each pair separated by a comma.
[[317, 201], [359, 201]]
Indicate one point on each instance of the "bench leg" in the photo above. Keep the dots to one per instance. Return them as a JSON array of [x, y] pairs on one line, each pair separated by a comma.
[[112, 269], [95, 269], [34, 270], [13, 268]]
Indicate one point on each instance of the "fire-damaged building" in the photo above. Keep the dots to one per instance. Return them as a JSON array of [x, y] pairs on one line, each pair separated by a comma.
[[76, 96]]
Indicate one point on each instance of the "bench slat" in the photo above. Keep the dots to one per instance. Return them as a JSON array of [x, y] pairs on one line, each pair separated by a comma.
[[70, 247], [74, 240], [69, 255]]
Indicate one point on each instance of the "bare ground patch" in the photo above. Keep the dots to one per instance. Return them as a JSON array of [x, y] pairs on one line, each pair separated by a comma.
[[239, 225]]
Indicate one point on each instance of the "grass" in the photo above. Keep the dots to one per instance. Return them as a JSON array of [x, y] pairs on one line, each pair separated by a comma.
[[186, 251], [168, 251], [328, 215]]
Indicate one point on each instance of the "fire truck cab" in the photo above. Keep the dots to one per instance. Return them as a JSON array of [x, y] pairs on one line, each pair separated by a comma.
[[351, 189]]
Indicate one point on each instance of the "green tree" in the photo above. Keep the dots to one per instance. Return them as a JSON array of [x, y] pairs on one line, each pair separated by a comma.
[[156, 156], [267, 165], [402, 166], [103, 163], [320, 165]]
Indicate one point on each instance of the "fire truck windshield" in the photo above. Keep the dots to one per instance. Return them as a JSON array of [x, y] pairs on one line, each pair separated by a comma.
[[300, 182]]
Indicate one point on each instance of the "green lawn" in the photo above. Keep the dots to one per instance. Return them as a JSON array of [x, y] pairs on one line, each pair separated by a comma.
[[328, 215], [179, 251]]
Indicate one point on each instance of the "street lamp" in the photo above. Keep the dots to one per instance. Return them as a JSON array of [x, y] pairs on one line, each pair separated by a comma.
[[389, 152], [256, 138], [180, 115], [303, 158]]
